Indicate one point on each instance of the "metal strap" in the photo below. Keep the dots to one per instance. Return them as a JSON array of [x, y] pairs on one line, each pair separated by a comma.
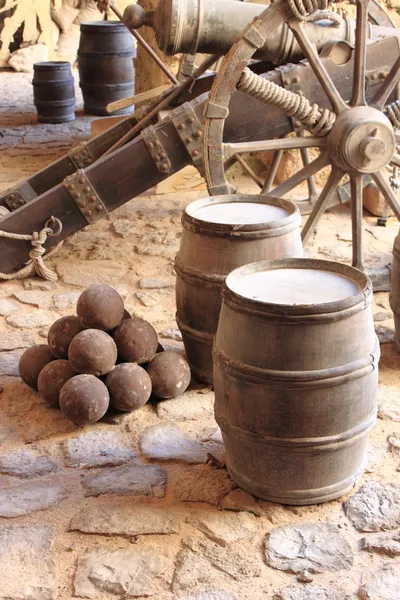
[[254, 37], [190, 131], [85, 196], [80, 156], [156, 149], [20, 196], [215, 111]]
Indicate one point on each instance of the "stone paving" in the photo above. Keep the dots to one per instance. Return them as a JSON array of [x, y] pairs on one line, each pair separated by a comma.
[[141, 505]]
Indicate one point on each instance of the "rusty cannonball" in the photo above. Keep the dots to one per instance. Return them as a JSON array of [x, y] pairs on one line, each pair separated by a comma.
[[84, 399], [129, 386], [100, 307], [61, 334], [92, 352], [136, 341], [51, 380], [170, 374], [32, 362]]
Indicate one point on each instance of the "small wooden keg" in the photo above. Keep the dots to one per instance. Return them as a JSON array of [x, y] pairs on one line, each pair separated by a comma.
[[105, 63], [220, 234], [54, 92], [394, 296], [295, 378]]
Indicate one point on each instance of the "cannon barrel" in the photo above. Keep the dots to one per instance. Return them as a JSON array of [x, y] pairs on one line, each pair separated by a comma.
[[211, 27]]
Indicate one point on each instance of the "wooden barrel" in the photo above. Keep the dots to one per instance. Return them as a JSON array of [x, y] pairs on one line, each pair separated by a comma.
[[220, 234], [54, 92], [105, 62], [295, 378], [394, 296]]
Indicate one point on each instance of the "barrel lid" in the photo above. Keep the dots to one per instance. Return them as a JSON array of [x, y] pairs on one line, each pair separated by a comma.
[[51, 65], [241, 212], [299, 285]]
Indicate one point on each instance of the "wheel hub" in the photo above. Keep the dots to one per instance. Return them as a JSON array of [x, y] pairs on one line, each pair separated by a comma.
[[361, 141]]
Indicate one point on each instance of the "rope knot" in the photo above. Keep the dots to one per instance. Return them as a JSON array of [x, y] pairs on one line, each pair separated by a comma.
[[36, 264]]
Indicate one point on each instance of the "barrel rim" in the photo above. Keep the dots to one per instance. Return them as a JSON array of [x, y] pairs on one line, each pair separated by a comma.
[[51, 64], [91, 25], [212, 228], [360, 279]]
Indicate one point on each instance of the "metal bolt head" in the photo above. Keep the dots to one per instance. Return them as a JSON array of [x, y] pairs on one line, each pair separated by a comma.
[[374, 76], [286, 81], [162, 155], [82, 204], [296, 79], [14, 205], [195, 153], [99, 207], [372, 147], [151, 144], [92, 198], [190, 120], [164, 167], [11, 197], [89, 213], [76, 157], [197, 133], [86, 189], [181, 126], [70, 187], [189, 140]]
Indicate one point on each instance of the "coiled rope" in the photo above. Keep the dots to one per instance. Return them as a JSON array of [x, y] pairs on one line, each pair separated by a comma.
[[318, 121], [392, 111], [36, 264], [308, 11]]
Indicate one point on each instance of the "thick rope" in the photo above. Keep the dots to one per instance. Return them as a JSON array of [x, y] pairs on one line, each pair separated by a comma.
[[36, 264], [392, 111], [318, 121], [308, 11]]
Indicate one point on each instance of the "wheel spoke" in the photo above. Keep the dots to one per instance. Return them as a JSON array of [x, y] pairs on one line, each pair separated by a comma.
[[321, 204], [360, 54], [387, 191], [388, 86], [273, 168], [248, 170], [266, 145], [305, 157], [356, 186], [295, 180], [318, 67]]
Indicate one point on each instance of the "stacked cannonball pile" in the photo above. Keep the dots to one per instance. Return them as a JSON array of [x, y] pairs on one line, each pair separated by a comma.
[[102, 358]]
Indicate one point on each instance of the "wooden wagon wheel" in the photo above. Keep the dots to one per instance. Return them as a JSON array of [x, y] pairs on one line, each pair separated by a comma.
[[354, 139]]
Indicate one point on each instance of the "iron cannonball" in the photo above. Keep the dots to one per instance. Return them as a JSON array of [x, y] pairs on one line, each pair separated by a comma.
[[170, 375], [32, 362], [136, 340], [92, 352], [84, 399], [100, 307], [61, 334], [51, 380], [129, 386]]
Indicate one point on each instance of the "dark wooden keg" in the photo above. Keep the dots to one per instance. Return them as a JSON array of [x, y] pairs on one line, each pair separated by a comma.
[[220, 234], [54, 92], [295, 378], [105, 62], [394, 296]]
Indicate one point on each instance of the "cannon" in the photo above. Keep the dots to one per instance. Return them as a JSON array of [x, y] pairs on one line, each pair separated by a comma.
[[338, 94]]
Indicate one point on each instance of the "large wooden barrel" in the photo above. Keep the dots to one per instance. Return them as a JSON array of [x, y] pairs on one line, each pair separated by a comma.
[[394, 296], [105, 62], [220, 234], [54, 92], [295, 378]]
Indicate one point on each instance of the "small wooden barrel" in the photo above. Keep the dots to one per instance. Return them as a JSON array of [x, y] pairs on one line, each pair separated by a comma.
[[220, 234], [54, 92], [394, 296], [295, 378], [105, 62]]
